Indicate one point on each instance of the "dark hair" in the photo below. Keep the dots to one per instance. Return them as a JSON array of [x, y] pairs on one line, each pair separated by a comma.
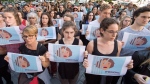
[[106, 23], [97, 10], [69, 15], [68, 10], [50, 23], [109, 60], [54, 14], [21, 14], [140, 10], [25, 5], [87, 16], [23, 58], [121, 12], [69, 24], [44, 30], [140, 37]]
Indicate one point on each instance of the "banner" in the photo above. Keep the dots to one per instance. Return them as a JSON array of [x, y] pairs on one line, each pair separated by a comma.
[[66, 53], [47, 32], [97, 17], [10, 35], [77, 16], [106, 65], [57, 22], [24, 63], [94, 32], [134, 41], [84, 28]]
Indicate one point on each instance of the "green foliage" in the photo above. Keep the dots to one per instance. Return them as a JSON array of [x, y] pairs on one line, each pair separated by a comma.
[[108, 0]]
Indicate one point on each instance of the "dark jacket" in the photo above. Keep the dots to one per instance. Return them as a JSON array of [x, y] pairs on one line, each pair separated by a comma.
[[138, 58]]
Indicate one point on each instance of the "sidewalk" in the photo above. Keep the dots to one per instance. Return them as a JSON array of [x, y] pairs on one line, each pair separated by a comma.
[[55, 80]]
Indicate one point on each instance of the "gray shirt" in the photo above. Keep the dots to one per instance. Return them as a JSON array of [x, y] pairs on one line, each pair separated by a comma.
[[125, 51]]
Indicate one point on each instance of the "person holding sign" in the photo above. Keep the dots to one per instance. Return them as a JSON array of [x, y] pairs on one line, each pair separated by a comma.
[[32, 47], [108, 30], [68, 72], [88, 18], [141, 18], [104, 12]]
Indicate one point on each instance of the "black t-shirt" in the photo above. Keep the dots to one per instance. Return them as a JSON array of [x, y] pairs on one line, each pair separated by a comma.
[[41, 49], [60, 13]]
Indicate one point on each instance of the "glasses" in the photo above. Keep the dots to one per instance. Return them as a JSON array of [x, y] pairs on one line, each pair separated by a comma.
[[112, 32], [127, 20], [38, 11], [90, 15], [29, 37], [31, 18]]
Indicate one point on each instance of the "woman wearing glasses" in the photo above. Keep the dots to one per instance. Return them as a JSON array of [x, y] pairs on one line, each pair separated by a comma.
[[32, 47], [99, 46]]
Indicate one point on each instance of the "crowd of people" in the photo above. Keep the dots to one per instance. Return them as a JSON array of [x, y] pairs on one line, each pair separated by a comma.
[[112, 22]]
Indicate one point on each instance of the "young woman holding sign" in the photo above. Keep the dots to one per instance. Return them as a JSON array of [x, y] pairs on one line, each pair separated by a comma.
[[68, 72], [109, 29], [32, 47]]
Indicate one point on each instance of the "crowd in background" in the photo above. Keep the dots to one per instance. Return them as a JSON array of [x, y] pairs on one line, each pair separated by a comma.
[[113, 21]]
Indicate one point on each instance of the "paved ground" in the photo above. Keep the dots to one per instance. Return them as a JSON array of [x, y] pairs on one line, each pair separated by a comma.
[[55, 80]]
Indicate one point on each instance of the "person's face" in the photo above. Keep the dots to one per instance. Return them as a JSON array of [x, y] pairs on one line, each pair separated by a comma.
[[130, 5], [123, 14], [75, 15], [97, 33], [44, 33], [27, 9], [105, 13], [68, 5], [45, 19], [138, 42], [22, 63], [66, 18], [90, 17], [54, 22], [142, 19], [69, 33], [32, 20], [52, 14], [17, 5], [5, 35], [52, 8], [61, 8], [114, 11], [10, 19], [94, 10], [29, 39], [110, 33], [39, 12], [105, 64], [64, 53], [126, 22]]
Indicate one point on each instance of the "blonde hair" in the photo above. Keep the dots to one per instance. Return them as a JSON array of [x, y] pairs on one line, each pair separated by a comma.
[[105, 6], [146, 61], [31, 30], [121, 22]]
